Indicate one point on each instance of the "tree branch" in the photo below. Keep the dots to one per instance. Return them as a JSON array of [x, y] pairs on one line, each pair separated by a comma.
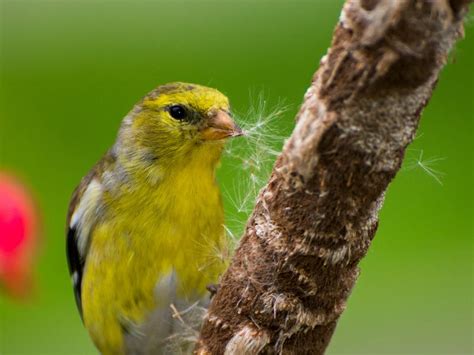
[[297, 263]]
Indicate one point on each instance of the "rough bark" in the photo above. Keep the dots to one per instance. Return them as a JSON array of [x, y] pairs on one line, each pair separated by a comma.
[[297, 262]]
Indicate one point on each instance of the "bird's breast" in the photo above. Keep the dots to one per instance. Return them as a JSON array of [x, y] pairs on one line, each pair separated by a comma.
[[176, 224], [172, 227]]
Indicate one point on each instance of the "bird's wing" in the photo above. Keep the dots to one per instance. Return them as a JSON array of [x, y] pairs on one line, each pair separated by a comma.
[[83, 213]]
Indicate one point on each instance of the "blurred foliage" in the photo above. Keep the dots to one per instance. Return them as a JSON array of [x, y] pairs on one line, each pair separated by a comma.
[[70, 70]]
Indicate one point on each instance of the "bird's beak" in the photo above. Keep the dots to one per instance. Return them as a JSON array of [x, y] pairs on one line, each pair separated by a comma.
[[220, 126]]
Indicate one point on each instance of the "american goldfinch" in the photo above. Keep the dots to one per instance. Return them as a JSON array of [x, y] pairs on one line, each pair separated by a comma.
[[145, 220]]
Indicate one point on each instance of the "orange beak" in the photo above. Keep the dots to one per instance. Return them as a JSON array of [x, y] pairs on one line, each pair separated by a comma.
[[221, 126]]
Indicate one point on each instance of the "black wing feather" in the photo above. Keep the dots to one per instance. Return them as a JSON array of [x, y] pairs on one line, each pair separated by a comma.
[[76, 265], [76, 260]]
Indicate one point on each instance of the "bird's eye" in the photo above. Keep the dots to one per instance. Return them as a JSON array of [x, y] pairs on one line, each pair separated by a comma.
[[178, 112]]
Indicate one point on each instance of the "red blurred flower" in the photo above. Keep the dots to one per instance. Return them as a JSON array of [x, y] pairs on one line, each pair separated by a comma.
[[18, 236]]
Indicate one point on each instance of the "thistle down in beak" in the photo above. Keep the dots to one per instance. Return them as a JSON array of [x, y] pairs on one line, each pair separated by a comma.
[[220, 126]]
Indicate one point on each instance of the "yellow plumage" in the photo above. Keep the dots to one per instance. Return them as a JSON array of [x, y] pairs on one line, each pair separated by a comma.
[[150, 211]]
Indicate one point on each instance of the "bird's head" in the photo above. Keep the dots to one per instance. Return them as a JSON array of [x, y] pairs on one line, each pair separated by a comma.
[[176, 121]]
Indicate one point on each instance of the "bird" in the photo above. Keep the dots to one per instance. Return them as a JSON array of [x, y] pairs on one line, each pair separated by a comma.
[[144, 223]]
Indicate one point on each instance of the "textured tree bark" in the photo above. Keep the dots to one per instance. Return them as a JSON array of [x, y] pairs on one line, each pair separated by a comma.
[[297, 262]]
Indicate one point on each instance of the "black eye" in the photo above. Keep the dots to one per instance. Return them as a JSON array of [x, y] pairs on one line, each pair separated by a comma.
[[178, 112]]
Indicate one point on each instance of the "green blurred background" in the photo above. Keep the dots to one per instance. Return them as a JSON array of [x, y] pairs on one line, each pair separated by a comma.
[[70, 70]]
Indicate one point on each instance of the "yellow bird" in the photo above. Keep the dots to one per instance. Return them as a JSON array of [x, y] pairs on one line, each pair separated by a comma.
[[143, 224]]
